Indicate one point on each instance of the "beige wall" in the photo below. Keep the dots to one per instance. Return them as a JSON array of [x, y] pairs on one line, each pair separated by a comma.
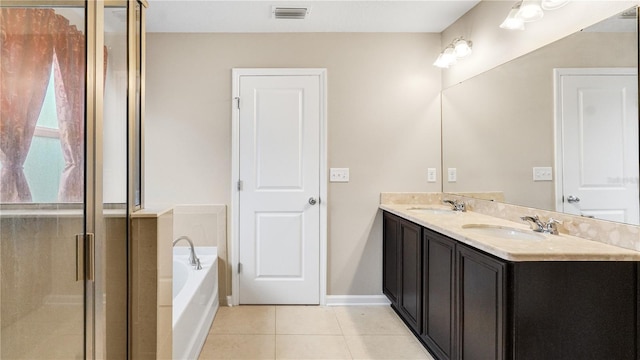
[[500, 124], [493, 46], [383, 120]]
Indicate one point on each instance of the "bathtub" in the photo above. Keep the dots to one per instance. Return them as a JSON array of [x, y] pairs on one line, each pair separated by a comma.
[[195, 300]]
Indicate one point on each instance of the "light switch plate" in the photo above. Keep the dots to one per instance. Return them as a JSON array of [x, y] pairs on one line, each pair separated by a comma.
[[542, 174], [432, 175], [339, 175], [452, 174]]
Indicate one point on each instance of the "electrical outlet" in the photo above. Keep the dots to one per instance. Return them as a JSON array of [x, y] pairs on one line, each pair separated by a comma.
[[432, 175], [452, 174], [339, 175], [542, 174]]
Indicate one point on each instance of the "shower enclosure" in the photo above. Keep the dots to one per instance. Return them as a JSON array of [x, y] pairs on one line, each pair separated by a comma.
[[72, 83]]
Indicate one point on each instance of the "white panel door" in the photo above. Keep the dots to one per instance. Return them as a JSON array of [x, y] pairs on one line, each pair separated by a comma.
[[279, 222], [599, 117]]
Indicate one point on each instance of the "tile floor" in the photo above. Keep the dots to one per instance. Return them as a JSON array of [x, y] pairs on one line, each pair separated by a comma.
[[310, 332]]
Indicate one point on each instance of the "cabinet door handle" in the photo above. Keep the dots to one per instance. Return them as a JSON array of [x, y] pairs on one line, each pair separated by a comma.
[[312, 201]]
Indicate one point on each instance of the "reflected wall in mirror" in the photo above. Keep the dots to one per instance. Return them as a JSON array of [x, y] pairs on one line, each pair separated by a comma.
[[499, 125]]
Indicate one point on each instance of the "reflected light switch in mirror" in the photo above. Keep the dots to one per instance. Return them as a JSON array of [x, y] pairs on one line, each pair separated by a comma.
[[452, 174], [339, 175]]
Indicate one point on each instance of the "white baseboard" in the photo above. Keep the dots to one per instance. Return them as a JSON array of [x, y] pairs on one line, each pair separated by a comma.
[[229, 301], [357, 300]]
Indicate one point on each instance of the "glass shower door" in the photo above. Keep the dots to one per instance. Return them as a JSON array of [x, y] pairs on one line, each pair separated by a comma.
[[114, 236], [42, 182]]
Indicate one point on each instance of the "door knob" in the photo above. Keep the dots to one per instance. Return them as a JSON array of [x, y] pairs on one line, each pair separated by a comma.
[[573, 199], [312, 200]]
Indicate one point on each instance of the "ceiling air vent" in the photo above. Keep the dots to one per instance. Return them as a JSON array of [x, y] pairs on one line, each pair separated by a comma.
[[290, 13]]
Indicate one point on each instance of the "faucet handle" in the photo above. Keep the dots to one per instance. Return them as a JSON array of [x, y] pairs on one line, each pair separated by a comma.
[[552, 226], [456, 205]]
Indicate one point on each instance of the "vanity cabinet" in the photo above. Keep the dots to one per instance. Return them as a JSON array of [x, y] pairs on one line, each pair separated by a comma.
[[463, 303]]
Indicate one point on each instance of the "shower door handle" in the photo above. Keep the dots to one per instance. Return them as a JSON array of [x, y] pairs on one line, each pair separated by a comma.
[[79, 257], [91, 256], [85, 257]]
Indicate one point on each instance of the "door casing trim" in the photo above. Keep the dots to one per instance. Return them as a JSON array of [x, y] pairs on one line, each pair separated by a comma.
[[234, 209]]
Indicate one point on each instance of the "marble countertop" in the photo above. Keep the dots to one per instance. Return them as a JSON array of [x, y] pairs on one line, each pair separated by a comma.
[[552, 248]]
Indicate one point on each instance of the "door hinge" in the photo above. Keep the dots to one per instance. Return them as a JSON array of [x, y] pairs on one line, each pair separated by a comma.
[[239, 268], [240, 185], [237, 103]]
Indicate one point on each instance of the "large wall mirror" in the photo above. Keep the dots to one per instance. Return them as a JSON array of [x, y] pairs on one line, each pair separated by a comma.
[[569, 110]]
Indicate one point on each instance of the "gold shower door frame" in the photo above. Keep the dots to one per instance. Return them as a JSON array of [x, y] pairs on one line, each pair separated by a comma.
[[96, 319], [92, 244]]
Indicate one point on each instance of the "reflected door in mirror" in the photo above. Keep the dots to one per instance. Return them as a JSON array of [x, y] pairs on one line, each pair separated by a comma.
[[598, 117]]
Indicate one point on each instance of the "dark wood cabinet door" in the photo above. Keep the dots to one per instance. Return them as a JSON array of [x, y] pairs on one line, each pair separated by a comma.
[[582, 310], [439, 294], [390, 257], [410, 302], [480, 306]]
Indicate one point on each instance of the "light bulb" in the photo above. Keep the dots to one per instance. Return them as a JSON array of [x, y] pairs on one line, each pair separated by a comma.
[[513, 22], [530, 10], [440, 63], [462, 47], [553, 4], [449, 55]]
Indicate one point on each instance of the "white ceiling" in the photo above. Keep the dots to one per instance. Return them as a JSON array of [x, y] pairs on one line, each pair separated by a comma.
[[324, 16]]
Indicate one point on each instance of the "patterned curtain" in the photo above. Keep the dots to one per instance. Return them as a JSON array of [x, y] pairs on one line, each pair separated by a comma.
[[69, 75], [26, 42]]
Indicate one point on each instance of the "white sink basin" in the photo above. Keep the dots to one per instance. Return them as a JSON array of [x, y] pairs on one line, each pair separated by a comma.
[[428, 210], [504, 232]]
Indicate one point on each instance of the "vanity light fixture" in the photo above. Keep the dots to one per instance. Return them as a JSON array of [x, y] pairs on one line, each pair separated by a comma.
[[529, 10], [457, 49]]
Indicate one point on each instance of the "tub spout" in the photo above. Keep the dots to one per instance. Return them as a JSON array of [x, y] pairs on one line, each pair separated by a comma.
[[193, 259]]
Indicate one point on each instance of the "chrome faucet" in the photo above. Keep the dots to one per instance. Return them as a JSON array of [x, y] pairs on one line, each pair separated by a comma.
[[537, 225], [193, 259], [456, 205]]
